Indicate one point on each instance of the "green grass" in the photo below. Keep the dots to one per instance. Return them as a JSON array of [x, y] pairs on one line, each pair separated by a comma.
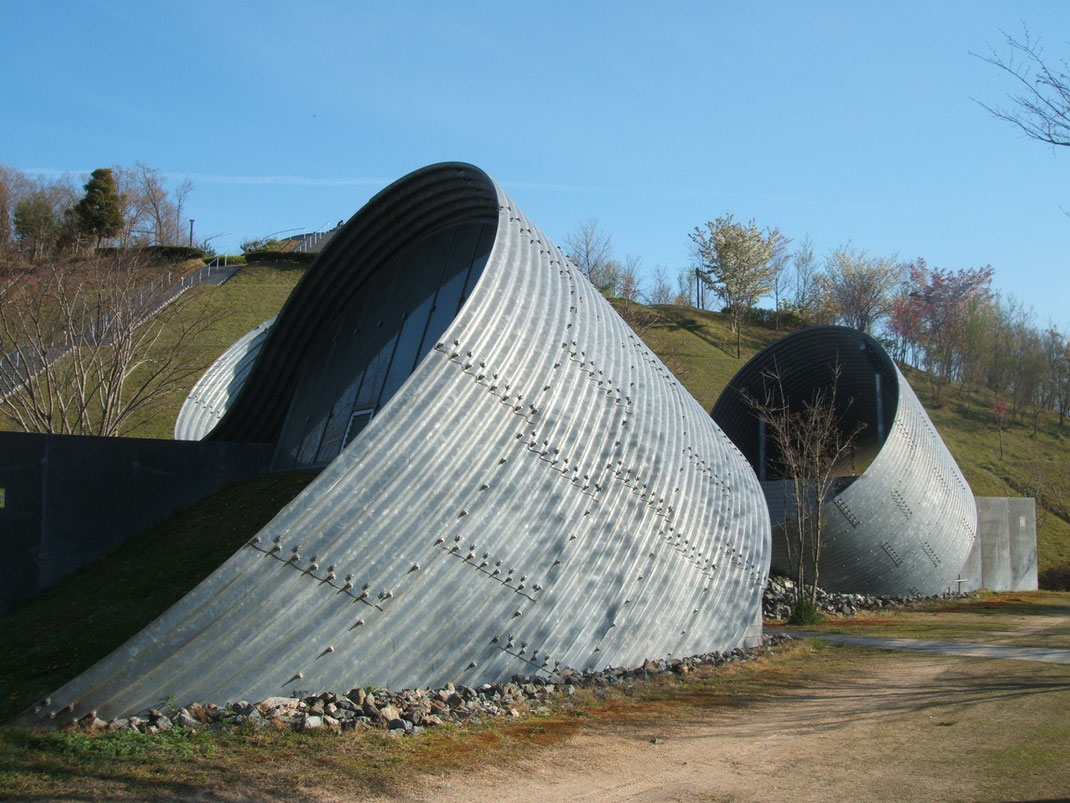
[[698, 346], [253, 295], [1017, 618], [43, 645]]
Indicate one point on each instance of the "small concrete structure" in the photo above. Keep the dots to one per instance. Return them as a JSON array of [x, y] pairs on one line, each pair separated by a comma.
[[1004, 556]]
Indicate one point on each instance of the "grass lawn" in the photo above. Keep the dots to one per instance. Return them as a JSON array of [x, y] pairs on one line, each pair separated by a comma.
[[1017, 618]]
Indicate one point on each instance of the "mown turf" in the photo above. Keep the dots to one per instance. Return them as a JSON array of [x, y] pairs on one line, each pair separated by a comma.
[[1017, 618]]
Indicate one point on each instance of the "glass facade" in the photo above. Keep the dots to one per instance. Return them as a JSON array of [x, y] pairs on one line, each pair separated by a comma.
[[395, 318]]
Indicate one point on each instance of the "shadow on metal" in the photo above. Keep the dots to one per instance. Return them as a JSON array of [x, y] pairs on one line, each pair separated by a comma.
[[512, 482]]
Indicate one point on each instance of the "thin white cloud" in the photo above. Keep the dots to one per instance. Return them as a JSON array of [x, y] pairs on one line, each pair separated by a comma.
[[217, 178], [529, 185], [288, 181]]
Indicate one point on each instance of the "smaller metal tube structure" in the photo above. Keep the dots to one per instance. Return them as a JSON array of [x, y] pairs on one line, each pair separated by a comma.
[[906, 523]]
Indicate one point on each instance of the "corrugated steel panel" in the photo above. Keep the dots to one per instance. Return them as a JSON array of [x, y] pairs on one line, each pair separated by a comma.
[[908, 522], [210, 397], [540, 493]]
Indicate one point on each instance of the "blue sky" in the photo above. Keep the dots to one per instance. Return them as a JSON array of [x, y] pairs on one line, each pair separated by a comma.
[[845, 121]]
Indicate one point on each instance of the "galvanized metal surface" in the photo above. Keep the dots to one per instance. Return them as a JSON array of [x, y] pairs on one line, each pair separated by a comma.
[[908, 522], [540, 493], [210, 397]]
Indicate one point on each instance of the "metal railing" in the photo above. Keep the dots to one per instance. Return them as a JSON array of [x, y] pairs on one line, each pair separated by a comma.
[[25, 362]]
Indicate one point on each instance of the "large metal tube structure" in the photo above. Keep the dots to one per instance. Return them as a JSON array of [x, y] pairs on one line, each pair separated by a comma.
[[906, 523], [511, 481]]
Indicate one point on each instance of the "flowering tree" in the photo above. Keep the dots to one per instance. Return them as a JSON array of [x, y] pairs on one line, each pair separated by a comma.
[[935, 311]]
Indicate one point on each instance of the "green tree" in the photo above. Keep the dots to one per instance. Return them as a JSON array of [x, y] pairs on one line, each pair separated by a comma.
[[99, 213], [36, 226], [738, 262]]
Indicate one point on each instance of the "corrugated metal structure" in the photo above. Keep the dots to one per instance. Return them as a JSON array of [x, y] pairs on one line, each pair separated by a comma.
[[904, 524], [210, 397], [512, 481]]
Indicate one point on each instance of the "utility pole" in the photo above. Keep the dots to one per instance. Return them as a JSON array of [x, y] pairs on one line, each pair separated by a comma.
[[191, 232]]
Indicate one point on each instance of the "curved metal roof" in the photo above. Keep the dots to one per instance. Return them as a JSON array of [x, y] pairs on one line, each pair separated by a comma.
[[540, 492], [907, 523]]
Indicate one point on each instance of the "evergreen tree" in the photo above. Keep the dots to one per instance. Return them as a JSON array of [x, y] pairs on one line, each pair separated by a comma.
[[100, 211]]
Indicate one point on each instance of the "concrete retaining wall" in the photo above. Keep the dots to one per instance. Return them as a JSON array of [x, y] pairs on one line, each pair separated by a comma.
[[68, 500], [1004, 555]]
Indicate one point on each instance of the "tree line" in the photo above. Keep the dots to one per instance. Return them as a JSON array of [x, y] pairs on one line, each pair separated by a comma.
[[119, 206], [949, 323]]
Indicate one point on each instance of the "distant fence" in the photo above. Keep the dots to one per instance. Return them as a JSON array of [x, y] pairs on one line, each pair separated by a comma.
[[314, 241], [26, 361]]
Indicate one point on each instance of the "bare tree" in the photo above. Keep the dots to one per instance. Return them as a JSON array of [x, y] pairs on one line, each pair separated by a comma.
[[1041, 106], [661, 292], [999, 413], [936, 311], [777, 264], [809, 443], [689, 290], [736, 260], [861, 288], [630, 280], [592, 251], [807, 287], [88, 346]]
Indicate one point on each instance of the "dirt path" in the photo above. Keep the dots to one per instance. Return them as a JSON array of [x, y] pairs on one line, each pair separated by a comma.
[[907, 727]]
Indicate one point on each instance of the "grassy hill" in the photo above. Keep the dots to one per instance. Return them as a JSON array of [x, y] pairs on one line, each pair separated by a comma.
[[256, 293], [699, 347]]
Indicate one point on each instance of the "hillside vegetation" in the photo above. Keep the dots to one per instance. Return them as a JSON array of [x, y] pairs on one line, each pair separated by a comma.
[[256, 293], [699, 347]]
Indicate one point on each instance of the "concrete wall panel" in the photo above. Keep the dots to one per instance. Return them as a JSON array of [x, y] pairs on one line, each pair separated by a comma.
[[70, 500], [993, 514], [1022, 523]]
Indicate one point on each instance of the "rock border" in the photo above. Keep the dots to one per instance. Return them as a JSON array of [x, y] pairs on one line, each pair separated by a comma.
[[410, 711]]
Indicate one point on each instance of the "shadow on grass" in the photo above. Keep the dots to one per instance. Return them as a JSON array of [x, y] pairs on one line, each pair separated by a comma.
[[46, 641], [676, 321], [855, 696]]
